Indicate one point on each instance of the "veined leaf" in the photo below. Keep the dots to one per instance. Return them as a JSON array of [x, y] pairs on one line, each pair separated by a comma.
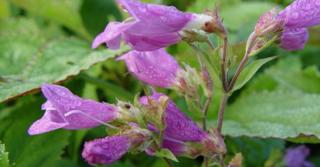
[[27, 61], [4, 159], [249, 72], [277, 114]]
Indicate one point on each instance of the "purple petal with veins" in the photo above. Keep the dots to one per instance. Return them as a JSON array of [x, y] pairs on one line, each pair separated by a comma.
[[156, 68]]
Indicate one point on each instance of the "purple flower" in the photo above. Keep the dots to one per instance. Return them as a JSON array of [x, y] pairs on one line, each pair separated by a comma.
[[106, 150], [157, 68], [296, 157], [297, 17], [301, 14], [68, 111], [294, 39], [152, 26]]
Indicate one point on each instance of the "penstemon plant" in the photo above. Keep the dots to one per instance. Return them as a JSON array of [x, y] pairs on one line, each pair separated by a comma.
[[153, 123]]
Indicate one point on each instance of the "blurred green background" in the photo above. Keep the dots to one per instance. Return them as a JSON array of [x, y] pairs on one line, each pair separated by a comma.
[[49, 41]]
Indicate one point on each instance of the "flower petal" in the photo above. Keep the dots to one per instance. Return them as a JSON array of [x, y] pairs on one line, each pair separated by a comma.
[[106, 150], [156, 68], [163, 18], [301, 13], [112, 34], [294, 39], [50, 121]]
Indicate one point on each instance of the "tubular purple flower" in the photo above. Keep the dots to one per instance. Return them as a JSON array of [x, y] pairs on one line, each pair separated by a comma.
[[296, 157], [68, 111], [301, 14], [294, 39], [157, 68], [152, 26], [297, 17], [106, 150], [181, 135]]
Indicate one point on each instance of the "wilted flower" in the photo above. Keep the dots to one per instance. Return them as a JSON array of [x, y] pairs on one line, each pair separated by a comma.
[[296, 157], [112, 148], [68, 111], [297, 17], [157, 68], [182, 136], [152, 26]]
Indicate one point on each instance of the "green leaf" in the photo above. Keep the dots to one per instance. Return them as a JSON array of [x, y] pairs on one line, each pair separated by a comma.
[[41, 150], [166, 153], [64, 12], [4, 159], [287, 74], [27, 61], [255, 151], [277, 114], [249, 72]]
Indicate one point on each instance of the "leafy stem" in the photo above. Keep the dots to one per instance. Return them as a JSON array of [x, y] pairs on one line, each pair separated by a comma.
[[224, 72]]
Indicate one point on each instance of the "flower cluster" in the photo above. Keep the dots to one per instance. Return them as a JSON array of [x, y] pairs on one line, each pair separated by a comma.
[[155, 124]]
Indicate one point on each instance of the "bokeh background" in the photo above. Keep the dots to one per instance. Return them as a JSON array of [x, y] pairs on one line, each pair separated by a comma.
[[49, 41]]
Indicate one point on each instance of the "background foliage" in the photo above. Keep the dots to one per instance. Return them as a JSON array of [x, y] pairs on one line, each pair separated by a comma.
[[49, 41]]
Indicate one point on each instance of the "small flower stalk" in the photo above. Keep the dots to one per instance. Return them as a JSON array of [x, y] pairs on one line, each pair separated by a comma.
[[154, 123]]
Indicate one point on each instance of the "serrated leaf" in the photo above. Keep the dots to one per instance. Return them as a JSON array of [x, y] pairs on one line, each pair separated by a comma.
[[287, 74], [277, 114], [42, 150], [249, 72], [27, 61], [64, 12], [4, 159], [166, 153]]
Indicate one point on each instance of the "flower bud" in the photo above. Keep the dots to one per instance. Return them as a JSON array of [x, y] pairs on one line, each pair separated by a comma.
[[109, 149]]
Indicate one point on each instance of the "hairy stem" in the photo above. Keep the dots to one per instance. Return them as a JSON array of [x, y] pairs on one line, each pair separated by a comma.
[[224, 72], [222, 107]]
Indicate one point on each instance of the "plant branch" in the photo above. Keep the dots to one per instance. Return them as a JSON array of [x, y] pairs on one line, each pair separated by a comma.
[[222, 107], [205, 110]]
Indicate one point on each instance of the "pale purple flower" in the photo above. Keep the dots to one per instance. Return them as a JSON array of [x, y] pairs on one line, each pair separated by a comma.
[[297, 17], [294, 39], [296, 157], [68, 111], [106, 150], [157, 68], [152, 26]]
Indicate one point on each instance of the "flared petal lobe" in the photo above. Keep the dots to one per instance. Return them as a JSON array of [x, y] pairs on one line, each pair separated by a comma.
[[106, 150], [301, 14], [156, 68], [68, 111], [294, 39], [112, 35]]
